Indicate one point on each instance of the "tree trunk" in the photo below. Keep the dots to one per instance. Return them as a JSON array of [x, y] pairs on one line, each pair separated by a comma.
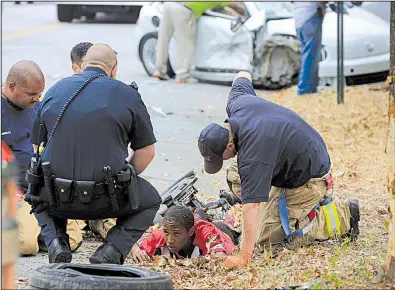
[[390, 150]]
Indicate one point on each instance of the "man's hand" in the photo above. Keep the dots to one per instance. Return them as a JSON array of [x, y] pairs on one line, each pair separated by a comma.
[[250, 214], [139, 255], [239, 260]]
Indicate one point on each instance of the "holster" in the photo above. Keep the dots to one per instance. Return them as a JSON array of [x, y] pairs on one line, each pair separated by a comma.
[[35, 179], [49, 183], [131, 186]]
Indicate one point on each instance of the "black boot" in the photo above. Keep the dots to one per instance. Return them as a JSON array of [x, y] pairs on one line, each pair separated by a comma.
[[107, 254], [354, 219], [59, 251]]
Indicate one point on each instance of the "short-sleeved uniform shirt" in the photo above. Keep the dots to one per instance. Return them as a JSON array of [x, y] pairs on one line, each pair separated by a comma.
[[276, 147], [16, 128], [95, 128]]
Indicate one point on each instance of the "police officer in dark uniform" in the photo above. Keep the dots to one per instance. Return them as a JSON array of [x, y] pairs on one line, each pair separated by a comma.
[[85, 123]]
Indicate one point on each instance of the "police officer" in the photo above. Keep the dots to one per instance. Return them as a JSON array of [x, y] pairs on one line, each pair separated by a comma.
[[19, 103], [86, 122], [285, 174]]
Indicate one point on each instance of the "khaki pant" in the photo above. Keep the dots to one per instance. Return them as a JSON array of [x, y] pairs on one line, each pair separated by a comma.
[[29, 231], [300, 202], [102, 227], [180, 22]]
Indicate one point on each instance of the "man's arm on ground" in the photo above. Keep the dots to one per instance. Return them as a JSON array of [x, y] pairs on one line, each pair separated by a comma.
[[250, 215], [153, 241], [141, 158], [250, 212]]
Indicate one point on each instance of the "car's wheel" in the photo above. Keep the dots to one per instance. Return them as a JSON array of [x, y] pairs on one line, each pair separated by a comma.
[[147, 54], [65, 13], [97, 276]]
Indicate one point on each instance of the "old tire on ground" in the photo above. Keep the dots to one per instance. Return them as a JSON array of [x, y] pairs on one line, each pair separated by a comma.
[[103, 276], [65, 12], [147, 54]]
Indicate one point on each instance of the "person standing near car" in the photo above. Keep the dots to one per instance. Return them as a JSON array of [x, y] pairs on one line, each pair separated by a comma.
[[86, 122], [179, 20], [308, 22]]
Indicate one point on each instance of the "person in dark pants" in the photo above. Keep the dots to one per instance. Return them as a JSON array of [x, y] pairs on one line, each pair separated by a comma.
[[93, 133], [308, 21]]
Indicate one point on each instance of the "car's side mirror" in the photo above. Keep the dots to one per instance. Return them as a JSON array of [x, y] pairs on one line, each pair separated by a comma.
[[236, 23]]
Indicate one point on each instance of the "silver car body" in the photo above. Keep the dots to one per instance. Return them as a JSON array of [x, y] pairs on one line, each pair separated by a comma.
[[220, 53]]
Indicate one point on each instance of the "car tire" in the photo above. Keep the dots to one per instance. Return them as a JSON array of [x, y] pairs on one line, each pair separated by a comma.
[[149, 64], [97, 276], [65, 13]]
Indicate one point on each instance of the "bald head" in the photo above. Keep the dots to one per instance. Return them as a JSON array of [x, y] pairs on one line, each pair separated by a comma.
[[23, 71], [101, 56], [24, 84]]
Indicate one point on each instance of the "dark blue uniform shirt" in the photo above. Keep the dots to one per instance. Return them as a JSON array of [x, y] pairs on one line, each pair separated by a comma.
[[16, 128], [95, 129], [275, 145]]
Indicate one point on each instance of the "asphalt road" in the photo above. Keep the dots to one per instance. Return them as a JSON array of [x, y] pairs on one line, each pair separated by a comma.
[[33, 32]]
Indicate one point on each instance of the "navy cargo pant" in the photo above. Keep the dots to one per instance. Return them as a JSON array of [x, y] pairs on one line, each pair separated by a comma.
[[127, 230], [310, 35]]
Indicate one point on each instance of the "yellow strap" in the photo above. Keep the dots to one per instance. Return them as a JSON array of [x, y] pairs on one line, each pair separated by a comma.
[[328, 221], [332, 219], [337, 220]]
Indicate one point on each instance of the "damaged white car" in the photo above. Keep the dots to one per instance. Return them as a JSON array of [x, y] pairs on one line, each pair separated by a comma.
[[266, 45]]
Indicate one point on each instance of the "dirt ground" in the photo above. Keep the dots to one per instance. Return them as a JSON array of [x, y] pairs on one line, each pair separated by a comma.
[[355, 134]]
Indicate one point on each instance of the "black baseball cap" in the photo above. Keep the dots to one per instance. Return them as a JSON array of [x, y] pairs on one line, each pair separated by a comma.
[[212, 143]]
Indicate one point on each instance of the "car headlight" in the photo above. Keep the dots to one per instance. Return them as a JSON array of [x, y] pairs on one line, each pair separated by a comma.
[[155, 21]]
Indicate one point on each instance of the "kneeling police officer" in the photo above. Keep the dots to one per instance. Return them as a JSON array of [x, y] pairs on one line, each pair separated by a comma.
[[85, 123]]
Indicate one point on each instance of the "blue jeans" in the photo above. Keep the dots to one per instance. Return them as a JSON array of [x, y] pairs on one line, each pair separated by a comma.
[[310, 35]]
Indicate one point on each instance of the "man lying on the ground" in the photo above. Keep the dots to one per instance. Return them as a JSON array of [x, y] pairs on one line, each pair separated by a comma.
[[183, 236]]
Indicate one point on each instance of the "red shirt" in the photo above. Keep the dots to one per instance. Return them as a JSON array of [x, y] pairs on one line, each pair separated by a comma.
[[208, 238]]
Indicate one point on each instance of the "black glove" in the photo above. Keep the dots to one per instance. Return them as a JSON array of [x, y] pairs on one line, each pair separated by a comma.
[[38, 204], [43, 206]]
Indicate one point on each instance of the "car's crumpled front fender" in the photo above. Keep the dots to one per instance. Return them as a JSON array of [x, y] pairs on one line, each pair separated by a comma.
[[276, 59]]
